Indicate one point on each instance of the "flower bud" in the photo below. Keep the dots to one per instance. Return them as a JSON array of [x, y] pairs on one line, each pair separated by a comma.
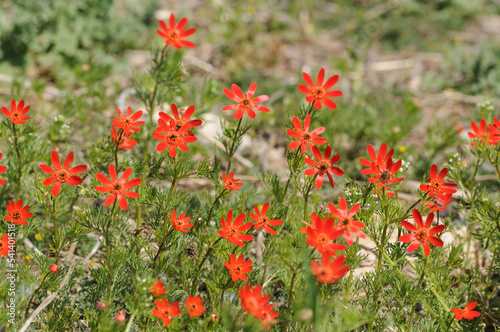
[[101, 306], [120, 316], [54, 268], [213, 317]]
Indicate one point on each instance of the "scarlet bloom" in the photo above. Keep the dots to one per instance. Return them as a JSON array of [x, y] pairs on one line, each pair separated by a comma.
[[438, 203], [436, 185], [16, 113], [181, 223], [245, 102], [128, 122], [347, 225], [62, 174], [232, 231], [157, 289], [172, 137], [422, 233], [261, 220], [180, 122], [230, 183], [2, 170], [268, 316], [165, 312], [122, 139], [329, 271], [116, 187], [377, 162], [321, 233], [484, 134], [174, 35], [54, 268], [4, 245], [238, 267], [466, 312], [17, 213], [323, 166], [194, 306], [386, 177], [256, 304], [305, 138], [318, 93]]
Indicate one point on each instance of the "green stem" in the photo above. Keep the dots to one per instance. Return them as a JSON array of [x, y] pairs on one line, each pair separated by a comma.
[[19, 168], [161, 245], [290, 290], [222, 293], [33, 295], [108, 248], [54, 219], [213, 204], [129, 325], [209, 251], [233, 143], [346, 299], [419, 284]]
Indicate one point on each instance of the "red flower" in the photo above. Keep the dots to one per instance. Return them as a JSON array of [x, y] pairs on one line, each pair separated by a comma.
[[489, 136], [122, 139], [180, 122], [323, 166], [172, 138], [321, 233], [166, 312], [54, 268], [62, 175], [305, 138], [436, 185], [386, 177], [194, 306], [181, 223], [261, 220], [347, 225], [16, 113], [329, 271], [439, 202], [116, 187], [422, 233], [174, 34], [230, 183], [377, 162], [128, 121], [4, 245], [245, 102], [232, 231], [18, 213], [466, 312], [2, 170], [157, 289], [317, 93], [252, 301], [238, 267], [267, 316]]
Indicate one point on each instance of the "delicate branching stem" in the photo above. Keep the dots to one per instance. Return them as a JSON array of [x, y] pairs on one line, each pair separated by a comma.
[[162, 244], [130, 322], [20, 165], [419, 284], [222, 293], [108, 248], [209, 251], [54, 219], [307, 194], [213, 204], [232, 148], [33, 295], [290, 290], [346, 298]]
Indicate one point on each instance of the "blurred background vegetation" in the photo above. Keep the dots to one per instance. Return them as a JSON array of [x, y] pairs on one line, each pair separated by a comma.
[[411, 70]]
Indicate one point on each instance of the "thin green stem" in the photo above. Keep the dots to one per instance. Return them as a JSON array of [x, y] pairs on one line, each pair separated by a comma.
[[290, 290], [346, 298], [209, 251], [108, 248], [222, 293], [232, 149], [19, 168], [162, 244], [213, 204], [33, 295], [419, 284], [130, 322]]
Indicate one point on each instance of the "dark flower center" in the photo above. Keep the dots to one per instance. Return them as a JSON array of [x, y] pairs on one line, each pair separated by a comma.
[[319, 92], [307, 137], [173, 34], [245, 102], [422, 234], [345, 222], [62, 176], [16, 215], [323, 166], [264, 220], [117, 187]]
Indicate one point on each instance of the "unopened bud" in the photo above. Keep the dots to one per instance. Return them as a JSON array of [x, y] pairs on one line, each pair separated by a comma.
[[199, 219], [213, 317], [120, 316], [101, 306], [54, 268]]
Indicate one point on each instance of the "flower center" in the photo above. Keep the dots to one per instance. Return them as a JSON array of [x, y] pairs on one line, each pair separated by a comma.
[[117, 187], [16, 215], [422, 234], [345, 222], [62, 175], [323, 166], [264, 220], [307, 137], [245, 102], [319, 92], [173, 35], [322, 238]]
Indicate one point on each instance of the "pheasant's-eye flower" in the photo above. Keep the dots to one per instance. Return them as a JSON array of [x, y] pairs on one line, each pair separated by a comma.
[[17, 213], [304, 136], [321, 234], [436, 185], [267, 316], [484, 134], [180, 223], [62, 174], [323, 166], [16, 113], [232, 231], [180, 122], [122, 139], [263, 221], [252, 301], [466, 312], [166, 312], [230, 183], [346, 224], [439, 202], [157, 289], [329, 271], [2, 170], [318, 93], [194, 306], [377, 162], [4, 245], [174, 35], [117, 188], [172, 137], [421, 233], [238, 267], [128, 122], [245, 102], [386, 178]]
